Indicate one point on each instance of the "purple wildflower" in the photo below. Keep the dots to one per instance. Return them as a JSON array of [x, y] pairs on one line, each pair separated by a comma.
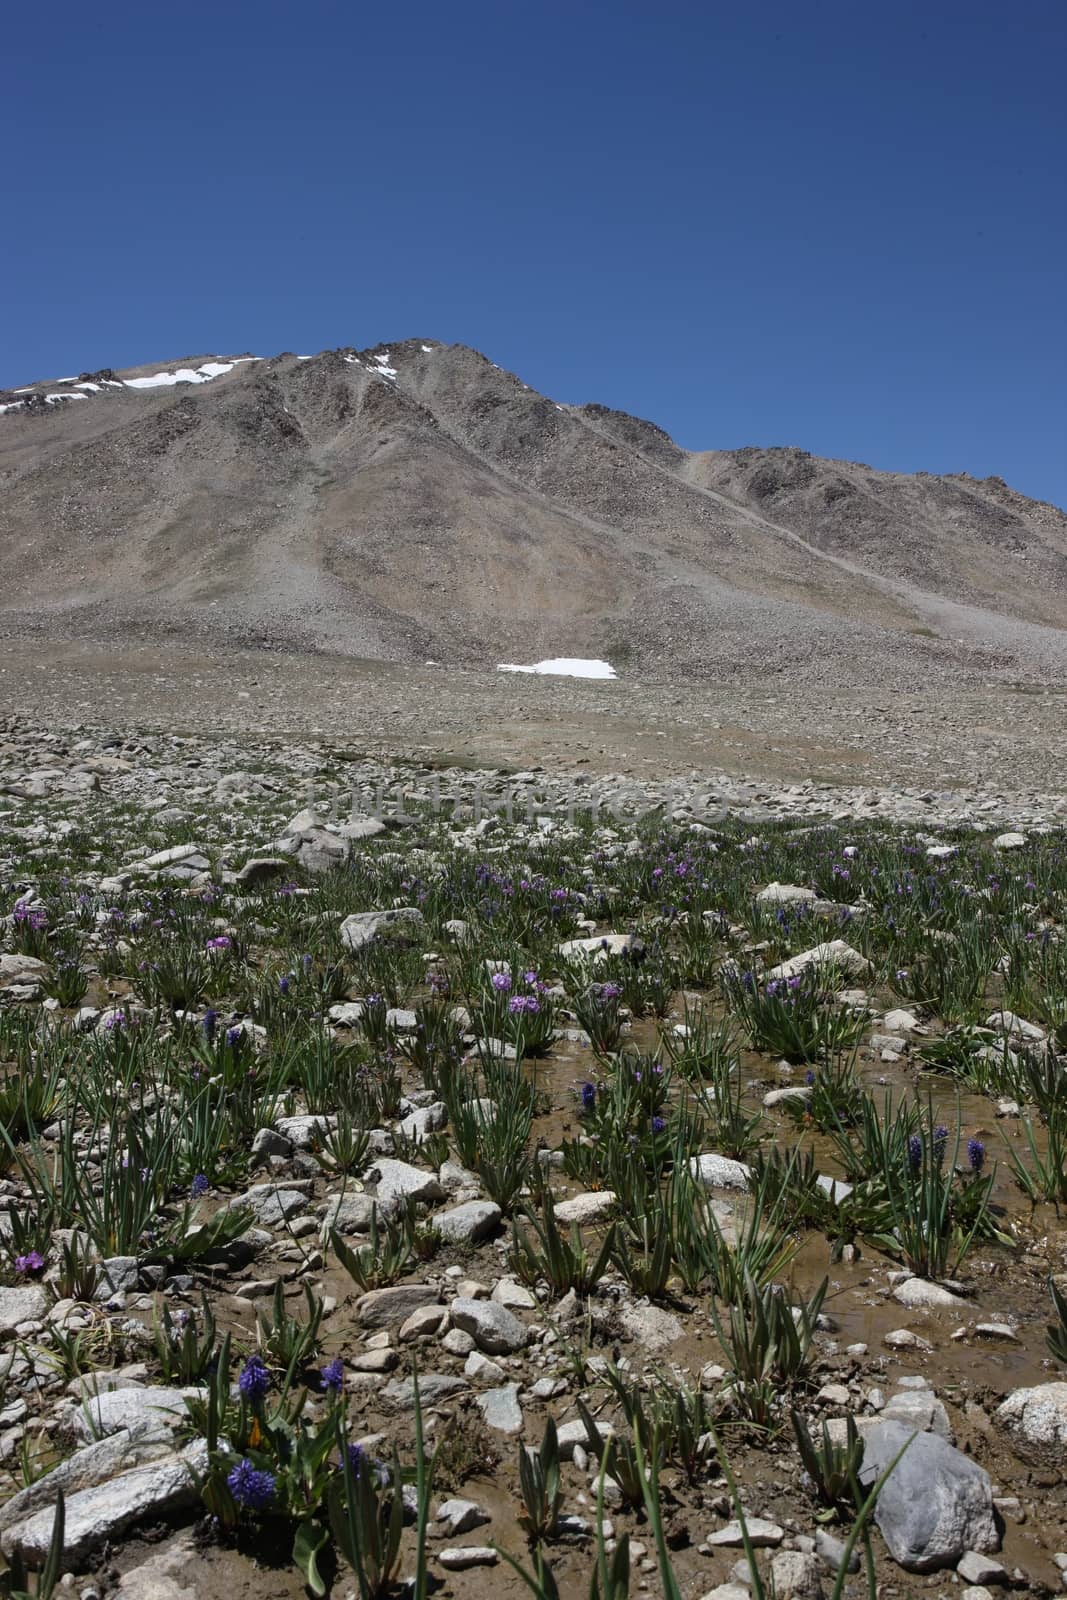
[[32, 1261], [975, 1154], [915, 1152], [333, 1376], [199, 1186], [588, 1096], [658, 1124], [501, 982], [250, 1487], [254, 1380]]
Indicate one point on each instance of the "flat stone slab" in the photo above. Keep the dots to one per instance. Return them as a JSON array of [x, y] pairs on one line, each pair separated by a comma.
[[101, 1514], [382, 1308], [433, 1387], [154, 1413], [763, 1534], [364, 927], [586, 1207], [834, 953], [920, 1294], [501, 1410]]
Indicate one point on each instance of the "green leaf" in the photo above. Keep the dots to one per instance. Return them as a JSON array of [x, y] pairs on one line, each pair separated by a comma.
[[311, 1538]]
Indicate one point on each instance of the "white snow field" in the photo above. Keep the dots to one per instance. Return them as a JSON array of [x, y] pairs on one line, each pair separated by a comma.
[[565, 667]]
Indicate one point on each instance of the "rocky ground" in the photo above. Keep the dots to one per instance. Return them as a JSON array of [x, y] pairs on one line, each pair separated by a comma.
[[984, 741], [380, 775]]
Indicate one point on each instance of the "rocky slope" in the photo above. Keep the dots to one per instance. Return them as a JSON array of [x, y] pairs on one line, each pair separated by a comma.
[[415, 501]]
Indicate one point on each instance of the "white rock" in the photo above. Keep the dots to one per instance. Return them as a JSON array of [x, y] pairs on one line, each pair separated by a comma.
[[905, 1339], [973, 1567], [397, 1180], [514, 1295], [22, 969], [573, 1435], [720, 1172], [652, 1328], [154, 1413], [762, 1534], [796, 1576], [778, 1097], [1017, 1027], [598, 948], [425, 1322], [500, 1408], [1038, 1416], [461, 1516], [99, 1515], [900, 1022], [364, 927], [586, 1207], [920, 1294], [28, 1303], [834, 953], [459, 1557], [786, 894], [480, 1369], [935, 1504]]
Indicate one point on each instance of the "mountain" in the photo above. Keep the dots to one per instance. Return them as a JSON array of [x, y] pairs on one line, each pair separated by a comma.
[[415, 501]]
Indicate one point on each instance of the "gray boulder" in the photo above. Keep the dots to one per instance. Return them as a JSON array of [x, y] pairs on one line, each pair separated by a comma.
[[99, 1515], [22, 969], [1037, 1418], [93, 1464], [920, 1409], [351, 1213], [492, 1326], [651, 1327], [433, 1388], [28, 1303], [469, 1223], [153, 1414], [261, 869], [936, 1503], [364, 927], [399, 1181], [383, 1308]]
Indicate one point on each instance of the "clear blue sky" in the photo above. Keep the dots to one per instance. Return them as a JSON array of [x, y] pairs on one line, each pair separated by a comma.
[[836, 225]]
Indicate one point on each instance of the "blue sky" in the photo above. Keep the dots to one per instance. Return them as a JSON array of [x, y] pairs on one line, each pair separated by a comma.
[[840, 226]]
